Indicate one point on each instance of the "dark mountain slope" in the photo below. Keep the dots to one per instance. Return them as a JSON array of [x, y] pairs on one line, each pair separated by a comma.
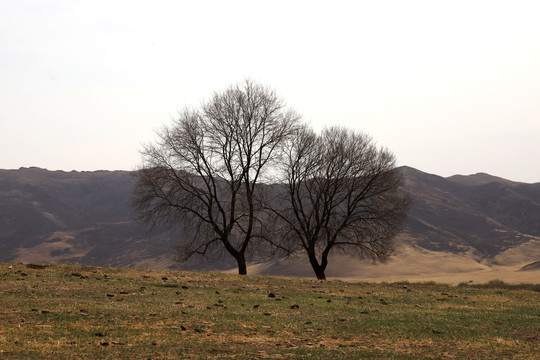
[[478, 179], [85, 217], [72, 216], [459, 216]]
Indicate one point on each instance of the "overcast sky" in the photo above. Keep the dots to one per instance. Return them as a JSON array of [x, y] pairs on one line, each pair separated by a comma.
[[451, 87]]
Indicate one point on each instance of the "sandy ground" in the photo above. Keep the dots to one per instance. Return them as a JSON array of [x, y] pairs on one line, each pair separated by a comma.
[[505, 273], [417, 265], [411, 263]]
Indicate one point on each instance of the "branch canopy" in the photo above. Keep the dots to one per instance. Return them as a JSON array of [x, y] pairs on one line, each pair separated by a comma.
[[203, 171], [342, 194]]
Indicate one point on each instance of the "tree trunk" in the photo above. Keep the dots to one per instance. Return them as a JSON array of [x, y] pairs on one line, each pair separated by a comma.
[[238, 255], [242, 268], [318, 269]]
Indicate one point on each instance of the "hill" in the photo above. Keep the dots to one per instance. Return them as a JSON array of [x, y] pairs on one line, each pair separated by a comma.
[[532, 266], [472, 222], [462, 215], [478, 179], [82, 217]]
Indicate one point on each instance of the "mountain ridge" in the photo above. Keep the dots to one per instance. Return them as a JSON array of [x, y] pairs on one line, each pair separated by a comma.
[[85, 217]]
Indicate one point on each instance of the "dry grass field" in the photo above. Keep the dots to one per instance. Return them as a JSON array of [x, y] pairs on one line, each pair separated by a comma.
[[83, 312]]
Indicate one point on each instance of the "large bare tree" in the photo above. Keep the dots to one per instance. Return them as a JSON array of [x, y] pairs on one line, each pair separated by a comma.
[[203, 172], [342, 195]]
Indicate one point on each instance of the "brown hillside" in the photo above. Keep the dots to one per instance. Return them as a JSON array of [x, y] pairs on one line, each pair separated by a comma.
[[85, 217]]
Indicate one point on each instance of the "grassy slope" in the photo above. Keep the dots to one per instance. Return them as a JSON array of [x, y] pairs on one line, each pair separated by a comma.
[[81, 312]]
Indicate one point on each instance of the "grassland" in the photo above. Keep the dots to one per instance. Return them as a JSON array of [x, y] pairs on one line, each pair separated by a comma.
[[81, 312]]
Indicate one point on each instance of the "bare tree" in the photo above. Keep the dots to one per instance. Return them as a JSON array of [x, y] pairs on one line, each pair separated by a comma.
[[342, 194], [202, 173]]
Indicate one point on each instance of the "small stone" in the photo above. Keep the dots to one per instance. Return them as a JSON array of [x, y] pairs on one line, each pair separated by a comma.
[[295, 306], [256, 306], [184, 287], [104, 343], [110, 295], [183, 328], [271, 295]]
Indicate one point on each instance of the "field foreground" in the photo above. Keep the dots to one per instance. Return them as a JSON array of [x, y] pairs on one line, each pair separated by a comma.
[[83, 312]]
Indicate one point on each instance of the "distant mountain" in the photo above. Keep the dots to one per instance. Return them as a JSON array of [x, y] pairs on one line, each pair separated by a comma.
[[479, 179], [79, 217], [480, 213], [85, 217]]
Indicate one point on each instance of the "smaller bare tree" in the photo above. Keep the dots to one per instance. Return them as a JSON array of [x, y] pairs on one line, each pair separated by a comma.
[[203, 173], [342, 194]]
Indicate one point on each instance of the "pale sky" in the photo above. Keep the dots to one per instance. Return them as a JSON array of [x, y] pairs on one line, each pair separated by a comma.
[[450, 87]]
